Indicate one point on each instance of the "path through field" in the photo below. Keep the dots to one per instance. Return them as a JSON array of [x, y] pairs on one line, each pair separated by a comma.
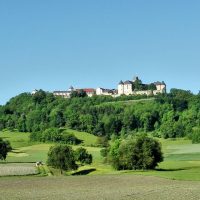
[[106, 187]]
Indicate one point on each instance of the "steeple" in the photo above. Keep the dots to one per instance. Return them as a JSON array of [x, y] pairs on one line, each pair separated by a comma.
[[71, 88], [121, 83]]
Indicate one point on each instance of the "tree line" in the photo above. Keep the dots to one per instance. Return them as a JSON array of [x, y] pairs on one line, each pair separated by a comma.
[[176, 114]]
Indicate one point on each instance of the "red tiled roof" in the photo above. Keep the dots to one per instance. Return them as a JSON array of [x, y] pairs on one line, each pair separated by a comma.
[[87, 90]]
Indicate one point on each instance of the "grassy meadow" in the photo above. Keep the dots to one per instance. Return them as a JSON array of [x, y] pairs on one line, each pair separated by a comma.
[[181, 161], [102, 182], [181, 157], [87, 139]]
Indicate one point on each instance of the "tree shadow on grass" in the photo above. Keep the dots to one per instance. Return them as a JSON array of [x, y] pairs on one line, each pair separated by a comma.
[[84, 172], [178, 169], [17, 151], [170, 170]]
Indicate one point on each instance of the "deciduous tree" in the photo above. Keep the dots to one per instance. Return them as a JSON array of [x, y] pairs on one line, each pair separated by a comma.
[[62, 157]]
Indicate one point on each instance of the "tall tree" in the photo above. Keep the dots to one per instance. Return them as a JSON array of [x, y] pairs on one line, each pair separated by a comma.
[[140, 153], [62, 157], [5, 147]]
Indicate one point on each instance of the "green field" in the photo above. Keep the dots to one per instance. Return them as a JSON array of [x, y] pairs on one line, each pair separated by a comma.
[[181, 161], [16, 139], [182, 158], [101, 181], [128, 102], [88, 139]]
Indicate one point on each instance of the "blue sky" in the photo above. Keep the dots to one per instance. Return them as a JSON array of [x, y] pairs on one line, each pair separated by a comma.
[[52, 44]]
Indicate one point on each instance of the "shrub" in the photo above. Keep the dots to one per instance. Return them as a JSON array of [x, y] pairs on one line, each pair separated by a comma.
[[102, 141], [62, 157], [70, 138], [83, 156], [104, 152], [5, 147], [196, 136], [140, 153], [55, 135]]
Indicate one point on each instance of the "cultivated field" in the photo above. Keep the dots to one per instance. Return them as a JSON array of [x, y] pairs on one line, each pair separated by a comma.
[[17, 169], [109, 187]]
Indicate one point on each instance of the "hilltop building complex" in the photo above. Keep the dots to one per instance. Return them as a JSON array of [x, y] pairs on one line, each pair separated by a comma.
[[134, 87], [66, 94]]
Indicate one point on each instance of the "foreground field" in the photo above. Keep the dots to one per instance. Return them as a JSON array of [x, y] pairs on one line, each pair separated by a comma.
[[111, 187]]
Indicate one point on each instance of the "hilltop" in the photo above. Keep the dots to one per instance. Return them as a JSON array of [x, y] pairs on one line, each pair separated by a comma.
[[165, 115]]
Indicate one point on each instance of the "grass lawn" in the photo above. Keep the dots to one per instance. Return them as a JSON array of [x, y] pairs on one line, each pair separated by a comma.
[[181, 161], [88, 139], [16, 139], [182, 158], [33, 153], [128, 102]]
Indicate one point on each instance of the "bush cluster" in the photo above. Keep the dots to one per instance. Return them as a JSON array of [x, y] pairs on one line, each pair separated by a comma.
[[63, 157], [55, 135], [141, 152], [196, 136]]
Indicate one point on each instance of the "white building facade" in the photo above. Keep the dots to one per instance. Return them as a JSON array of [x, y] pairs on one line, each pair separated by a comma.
[[106, 92], [134, 87], [127, 88]]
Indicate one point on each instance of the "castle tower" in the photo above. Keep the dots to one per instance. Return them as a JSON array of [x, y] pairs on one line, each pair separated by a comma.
[[121, 88], [71, 88], [160, 86]]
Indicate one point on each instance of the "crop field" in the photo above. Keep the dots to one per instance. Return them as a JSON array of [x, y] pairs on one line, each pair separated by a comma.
[[17, 169], [108, 187]]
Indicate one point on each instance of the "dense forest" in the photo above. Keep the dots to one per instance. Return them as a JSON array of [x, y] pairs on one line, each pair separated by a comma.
[[176, 114]]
